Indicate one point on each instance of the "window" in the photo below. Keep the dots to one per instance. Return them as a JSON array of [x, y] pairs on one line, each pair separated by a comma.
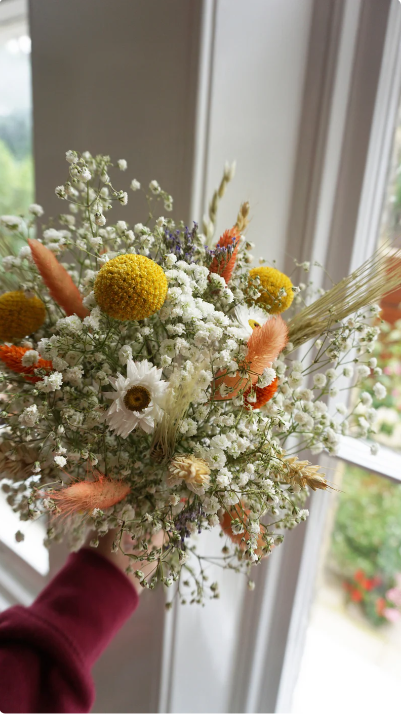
[[353, 644], [16, 179], [16, 193], [353, 639]]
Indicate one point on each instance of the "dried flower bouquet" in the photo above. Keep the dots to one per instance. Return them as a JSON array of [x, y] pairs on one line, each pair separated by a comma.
[[149, 381]]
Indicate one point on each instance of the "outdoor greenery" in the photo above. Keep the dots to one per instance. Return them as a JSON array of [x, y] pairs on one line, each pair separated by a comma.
[[367, 529], [16, 181], [366, 540]]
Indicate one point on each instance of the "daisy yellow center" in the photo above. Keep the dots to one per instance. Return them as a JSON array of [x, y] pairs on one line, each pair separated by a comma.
[[253, 324], [137, 398]]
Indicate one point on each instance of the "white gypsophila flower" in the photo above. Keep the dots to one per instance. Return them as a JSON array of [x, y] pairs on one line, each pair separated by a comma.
[[25, 253], [30, 358], [362, 371], [297, 366], [374, 449], [304, 420], [331, 374], [320, 408], [135, 185], [85, 174], [122, 164], [366, 398], [8, 262], [100, 219], [154, 186], [60, 191], [93, 320], [96, 242], [11, 222], [215, 458], [303, 394], [341, 408], [316, 448], [248, 318], [348, 371], [59, 364], [60, 461], [73, 375], [72, 324], [51, 383], [125, 354], [71, 156], [36, 210], [380, 391], [137, 399], [266, 378], [29, 416], [319, 380], [295, 378]]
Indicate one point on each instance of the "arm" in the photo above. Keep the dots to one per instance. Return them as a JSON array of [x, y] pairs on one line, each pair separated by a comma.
[[47, 651]]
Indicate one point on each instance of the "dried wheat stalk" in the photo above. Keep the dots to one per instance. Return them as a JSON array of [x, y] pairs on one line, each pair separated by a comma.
[[376, 278]]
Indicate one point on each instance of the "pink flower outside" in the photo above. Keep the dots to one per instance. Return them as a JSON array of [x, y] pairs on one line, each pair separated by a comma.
[[391, 614]]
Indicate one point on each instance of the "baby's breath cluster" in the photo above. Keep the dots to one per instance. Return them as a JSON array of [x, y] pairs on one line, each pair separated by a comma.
[[148, 384]]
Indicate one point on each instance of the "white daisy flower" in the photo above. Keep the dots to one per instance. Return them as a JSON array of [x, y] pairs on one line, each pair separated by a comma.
[[137, 399], [248, 318]]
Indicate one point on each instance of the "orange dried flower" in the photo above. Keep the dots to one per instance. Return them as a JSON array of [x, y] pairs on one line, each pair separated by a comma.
[[12, 357], [57, 279], [87, 495], [263, 395], [239, 512], [225, 266], [264, 345]]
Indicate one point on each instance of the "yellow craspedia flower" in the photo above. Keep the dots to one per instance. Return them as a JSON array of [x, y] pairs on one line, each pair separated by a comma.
[[19, 315], [272, 281], [130, 287]]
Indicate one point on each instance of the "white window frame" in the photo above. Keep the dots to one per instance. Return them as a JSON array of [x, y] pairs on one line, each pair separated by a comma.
[[386, 462]]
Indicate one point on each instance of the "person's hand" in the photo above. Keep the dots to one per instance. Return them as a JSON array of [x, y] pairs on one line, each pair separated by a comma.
[[122, 561]]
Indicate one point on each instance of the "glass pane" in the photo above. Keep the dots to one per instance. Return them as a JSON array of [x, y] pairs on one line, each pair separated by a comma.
[[16, 165], [16, 194], [352, 654], [388, 349]]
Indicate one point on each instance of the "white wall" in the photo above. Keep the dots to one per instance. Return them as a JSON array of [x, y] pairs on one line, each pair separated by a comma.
[[257, 86]]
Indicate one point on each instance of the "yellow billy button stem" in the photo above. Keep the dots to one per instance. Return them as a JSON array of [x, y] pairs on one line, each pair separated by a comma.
[[20, 315], [130, 287], [275, 287]]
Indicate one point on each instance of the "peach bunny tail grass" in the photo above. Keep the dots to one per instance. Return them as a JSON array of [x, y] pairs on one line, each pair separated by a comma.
[[85, 496], [225, 266], [57, 279], [265, 344]]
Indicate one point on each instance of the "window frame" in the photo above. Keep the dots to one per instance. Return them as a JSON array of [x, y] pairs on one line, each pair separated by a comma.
[[364, 243]]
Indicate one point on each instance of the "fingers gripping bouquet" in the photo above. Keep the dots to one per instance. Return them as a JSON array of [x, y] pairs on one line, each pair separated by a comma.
[[148, 384]]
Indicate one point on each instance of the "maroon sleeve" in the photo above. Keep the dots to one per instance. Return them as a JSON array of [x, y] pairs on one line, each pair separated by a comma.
[[48, 649]]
